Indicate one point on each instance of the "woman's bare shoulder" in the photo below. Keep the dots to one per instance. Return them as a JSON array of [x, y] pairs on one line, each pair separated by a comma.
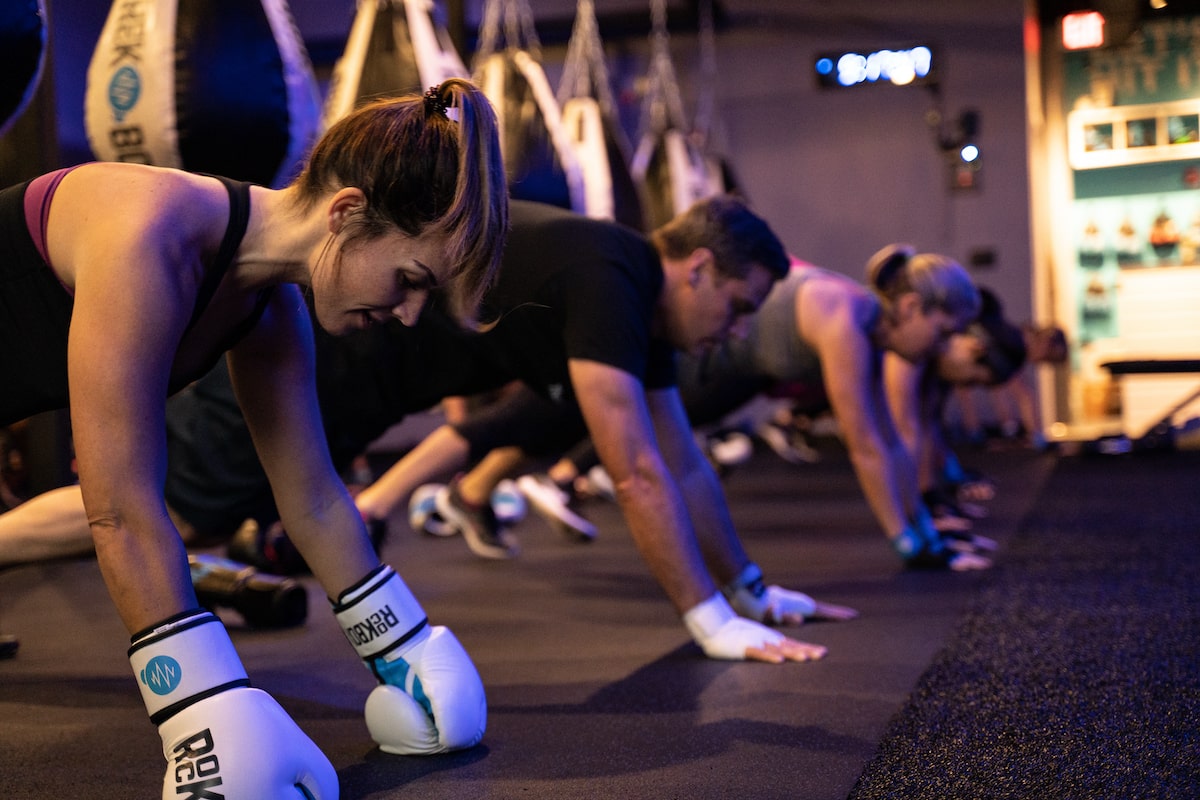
[[134, 211], [141, 193]]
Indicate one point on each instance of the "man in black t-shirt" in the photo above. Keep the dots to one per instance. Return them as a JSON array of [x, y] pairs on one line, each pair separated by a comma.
[[589, 316]]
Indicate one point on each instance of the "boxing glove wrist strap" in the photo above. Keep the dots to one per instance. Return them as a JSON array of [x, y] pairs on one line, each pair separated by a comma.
[[952, 470], [749, 580], [705, 619], [379, 614], [183, 660]]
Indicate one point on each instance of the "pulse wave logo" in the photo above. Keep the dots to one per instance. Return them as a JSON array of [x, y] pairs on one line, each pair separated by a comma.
[[162, 675], [123, 91]]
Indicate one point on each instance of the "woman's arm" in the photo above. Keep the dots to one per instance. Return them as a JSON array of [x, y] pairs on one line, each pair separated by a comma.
[[273, 373], [832, 322], [135, 275]]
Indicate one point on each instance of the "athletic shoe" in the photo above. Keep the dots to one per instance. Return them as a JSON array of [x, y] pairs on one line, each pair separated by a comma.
[[788, 443], [597, 483], [271, 551], [508, 502], [555, 505], [486, 537], [267, 550], [423, 515], [729, 448]]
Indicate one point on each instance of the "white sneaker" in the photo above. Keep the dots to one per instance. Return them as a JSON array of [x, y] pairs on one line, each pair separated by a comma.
[[508, 502], [554, 505], [730, 448], [788, 445], [599, 484]]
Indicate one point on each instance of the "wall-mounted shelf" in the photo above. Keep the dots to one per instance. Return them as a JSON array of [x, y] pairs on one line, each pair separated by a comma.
[[1143, 134]]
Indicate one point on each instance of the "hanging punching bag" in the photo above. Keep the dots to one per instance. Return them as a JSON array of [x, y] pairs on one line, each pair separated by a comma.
[[592, 127], [22, 56], [538, 157], [395, 47], [669, 167], [217, 86], [673, 174]]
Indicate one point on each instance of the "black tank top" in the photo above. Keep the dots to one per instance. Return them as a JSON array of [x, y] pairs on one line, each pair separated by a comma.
[[35, 309]]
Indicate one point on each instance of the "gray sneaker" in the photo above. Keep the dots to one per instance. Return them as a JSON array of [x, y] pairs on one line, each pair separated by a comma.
[[486, 537]]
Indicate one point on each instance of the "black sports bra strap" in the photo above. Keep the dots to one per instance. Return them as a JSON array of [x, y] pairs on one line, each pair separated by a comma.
[[239, 220]]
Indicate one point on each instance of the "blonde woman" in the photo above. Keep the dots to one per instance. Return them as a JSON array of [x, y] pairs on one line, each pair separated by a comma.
[[821, 328]]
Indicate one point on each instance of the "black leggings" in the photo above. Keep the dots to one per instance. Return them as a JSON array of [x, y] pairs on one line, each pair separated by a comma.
[[523, 418]]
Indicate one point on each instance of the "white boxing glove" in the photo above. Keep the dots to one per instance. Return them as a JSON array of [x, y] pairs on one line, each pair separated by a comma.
[[431, 699], [773, 605], [220, 737], [721, 633]]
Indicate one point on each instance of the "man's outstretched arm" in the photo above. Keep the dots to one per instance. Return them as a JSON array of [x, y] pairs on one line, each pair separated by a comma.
[[615, 409]]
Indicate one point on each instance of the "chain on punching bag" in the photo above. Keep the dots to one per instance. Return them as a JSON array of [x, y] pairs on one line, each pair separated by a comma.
[[22, 56], [217, 86], [395, 47], [592, 126]]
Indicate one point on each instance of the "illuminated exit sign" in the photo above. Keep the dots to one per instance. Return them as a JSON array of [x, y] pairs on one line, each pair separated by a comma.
[[1082, 30]]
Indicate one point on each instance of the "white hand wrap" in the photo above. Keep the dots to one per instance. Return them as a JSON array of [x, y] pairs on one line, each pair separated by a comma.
[[722, 634]]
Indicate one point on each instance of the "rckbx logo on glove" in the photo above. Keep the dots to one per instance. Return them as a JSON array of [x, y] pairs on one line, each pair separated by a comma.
[[195, 766], [373, 626]]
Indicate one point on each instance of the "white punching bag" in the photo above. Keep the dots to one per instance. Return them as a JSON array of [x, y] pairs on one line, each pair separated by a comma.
[[22, 56], [593, 127], [670, 168], [217, 86]]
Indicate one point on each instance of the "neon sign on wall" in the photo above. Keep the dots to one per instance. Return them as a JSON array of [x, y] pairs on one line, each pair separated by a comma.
[[898, 67]]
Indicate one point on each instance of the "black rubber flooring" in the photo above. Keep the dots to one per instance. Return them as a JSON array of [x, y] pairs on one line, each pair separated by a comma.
[[1074, 672], [594, 688]]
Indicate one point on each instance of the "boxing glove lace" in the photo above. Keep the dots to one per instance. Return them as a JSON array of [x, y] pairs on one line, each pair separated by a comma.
[[430, 698], [220, 737]]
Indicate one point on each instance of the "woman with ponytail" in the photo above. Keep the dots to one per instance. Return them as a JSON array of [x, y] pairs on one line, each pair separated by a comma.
[[121, 283], [989, 353]]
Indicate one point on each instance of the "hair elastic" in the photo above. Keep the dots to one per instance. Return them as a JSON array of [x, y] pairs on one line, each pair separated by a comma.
[[434, 102]]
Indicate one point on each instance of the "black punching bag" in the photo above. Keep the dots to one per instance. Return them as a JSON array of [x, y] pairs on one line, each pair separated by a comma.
[[395, 47], [217, 86], [22, 56], [538, 157]]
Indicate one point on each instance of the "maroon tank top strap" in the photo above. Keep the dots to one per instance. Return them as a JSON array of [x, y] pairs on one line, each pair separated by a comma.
[[37, 207]]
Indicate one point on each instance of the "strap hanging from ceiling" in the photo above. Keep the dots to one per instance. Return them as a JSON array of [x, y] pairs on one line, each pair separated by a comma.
[[706, 36], [507, 24]]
